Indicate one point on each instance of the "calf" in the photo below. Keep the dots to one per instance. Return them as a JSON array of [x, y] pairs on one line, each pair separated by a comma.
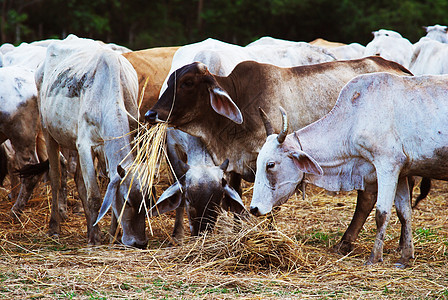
[[202, 187], [388, 127]]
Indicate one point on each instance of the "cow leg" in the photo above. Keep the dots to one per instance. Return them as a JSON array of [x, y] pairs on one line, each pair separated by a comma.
[[404, 212], [24, 153], [27, 186], [411, 184], [364, 205], [178, 231], [387, 188], [55, 179], [425, 186], [63, 194], [92, 199]]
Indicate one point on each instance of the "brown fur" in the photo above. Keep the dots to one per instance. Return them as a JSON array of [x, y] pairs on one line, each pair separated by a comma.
[[154, 64]]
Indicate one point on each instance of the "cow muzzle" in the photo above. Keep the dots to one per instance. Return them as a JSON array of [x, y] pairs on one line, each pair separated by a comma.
[[255, 211], [151, 117]]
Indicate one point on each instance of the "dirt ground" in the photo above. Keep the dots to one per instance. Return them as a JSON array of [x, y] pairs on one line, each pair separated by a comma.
[[36, 266]]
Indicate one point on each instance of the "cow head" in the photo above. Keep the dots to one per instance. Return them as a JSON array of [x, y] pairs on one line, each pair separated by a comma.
[[204, 189], [126, 191], [281, 165], [192, 94]]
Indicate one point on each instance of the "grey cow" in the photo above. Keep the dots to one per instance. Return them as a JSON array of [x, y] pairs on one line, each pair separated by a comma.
[[382, 129], [202, 187]]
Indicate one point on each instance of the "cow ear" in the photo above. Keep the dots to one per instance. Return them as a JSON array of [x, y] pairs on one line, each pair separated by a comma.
[[224, 105], [306, 163], [232, 201], [109, 198], [168, 201]]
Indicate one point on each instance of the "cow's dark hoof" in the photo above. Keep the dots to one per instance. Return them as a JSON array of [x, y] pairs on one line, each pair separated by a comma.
[[343, 248]]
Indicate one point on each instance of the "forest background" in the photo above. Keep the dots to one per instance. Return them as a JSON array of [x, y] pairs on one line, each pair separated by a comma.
[[141, 24]]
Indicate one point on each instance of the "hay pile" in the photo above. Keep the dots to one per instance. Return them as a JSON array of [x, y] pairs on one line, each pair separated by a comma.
[[289, 257], [244, 245]]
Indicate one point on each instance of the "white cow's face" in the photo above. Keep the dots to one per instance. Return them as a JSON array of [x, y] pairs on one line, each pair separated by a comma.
[[133, 216], [280, 168]]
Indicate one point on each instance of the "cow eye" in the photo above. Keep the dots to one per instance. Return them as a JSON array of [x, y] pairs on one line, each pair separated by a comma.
[[187, 84], [270, 165]]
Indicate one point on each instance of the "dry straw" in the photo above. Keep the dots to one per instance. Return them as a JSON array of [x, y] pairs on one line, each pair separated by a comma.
[[244, 244]]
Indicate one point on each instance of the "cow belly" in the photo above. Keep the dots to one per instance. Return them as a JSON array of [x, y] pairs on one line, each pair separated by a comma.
[[60, 119], [434, 166]]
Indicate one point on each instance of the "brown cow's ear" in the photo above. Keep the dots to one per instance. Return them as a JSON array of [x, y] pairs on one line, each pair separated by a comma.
[[224, 105]]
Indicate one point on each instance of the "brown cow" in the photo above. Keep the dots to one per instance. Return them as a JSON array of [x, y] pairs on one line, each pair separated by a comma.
[[152, 64]]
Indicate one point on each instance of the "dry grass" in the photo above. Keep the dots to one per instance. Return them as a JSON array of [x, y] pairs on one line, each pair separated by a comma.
[[256, 259]]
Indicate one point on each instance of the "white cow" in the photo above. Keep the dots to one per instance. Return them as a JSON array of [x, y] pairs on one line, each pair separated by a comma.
[[270, 41], [382, 129], [6, 47], [83, 90], [437, 32], [350, 51], [221, 57], [26, 55], [429, 57], [390, 45]]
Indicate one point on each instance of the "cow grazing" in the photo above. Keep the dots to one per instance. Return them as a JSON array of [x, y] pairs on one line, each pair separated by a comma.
[[202, 187], [84, 92], [221, 58], [437, 32], [405, 136], [390, 45], [152, 67], [223, 111]]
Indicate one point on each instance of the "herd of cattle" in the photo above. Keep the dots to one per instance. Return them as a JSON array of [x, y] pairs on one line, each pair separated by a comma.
[[359, 120]]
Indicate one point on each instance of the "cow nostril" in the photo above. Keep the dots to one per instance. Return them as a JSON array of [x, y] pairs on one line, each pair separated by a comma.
[[151, 116], [254, 210]]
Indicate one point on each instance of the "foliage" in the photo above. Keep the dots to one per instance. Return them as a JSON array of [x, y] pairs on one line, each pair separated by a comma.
[[143, 24]]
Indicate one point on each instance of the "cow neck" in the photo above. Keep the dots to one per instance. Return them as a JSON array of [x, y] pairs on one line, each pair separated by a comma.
[[226, 139], [333, 151], [115, 133]]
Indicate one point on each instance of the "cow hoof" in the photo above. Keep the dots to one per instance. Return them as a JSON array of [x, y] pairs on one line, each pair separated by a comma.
[[53, 235], [63, 215], [400, 265], [343, 248], [176, 241], [372, 261]]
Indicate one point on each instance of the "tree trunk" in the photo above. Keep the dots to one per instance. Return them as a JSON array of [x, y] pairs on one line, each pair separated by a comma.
[[199, 19]]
